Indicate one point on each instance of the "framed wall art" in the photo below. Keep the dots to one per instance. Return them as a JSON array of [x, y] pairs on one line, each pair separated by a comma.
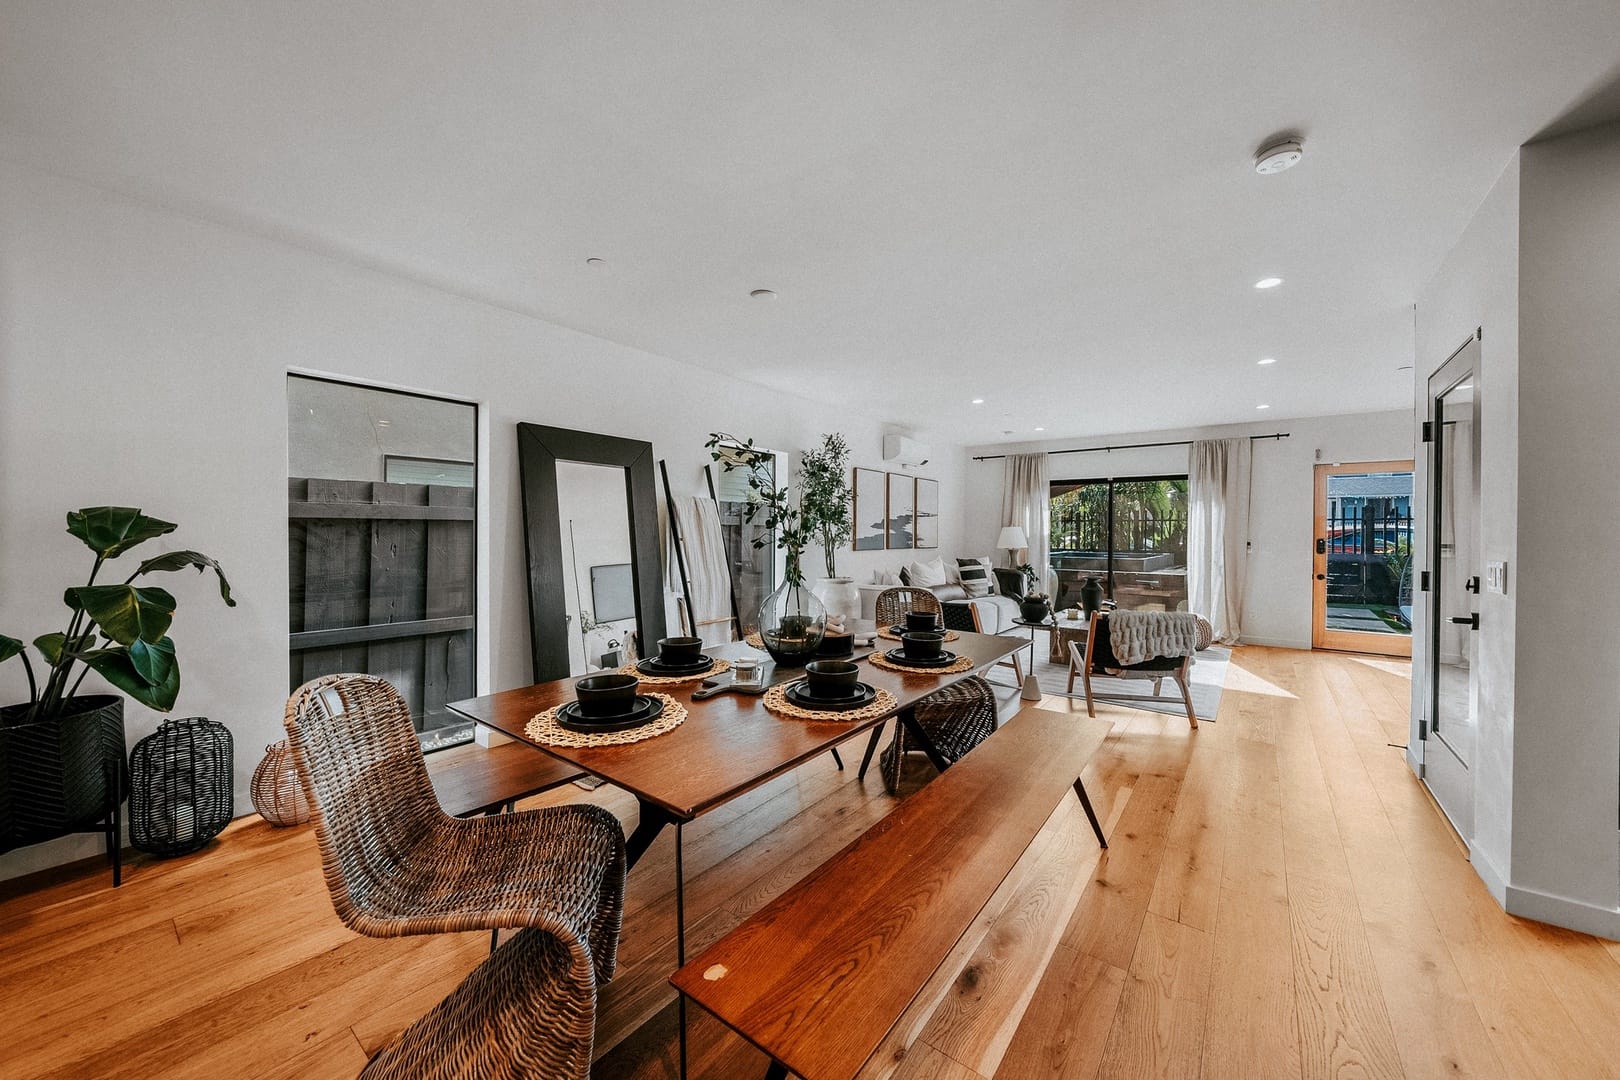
[[869, 514], [902, 512]]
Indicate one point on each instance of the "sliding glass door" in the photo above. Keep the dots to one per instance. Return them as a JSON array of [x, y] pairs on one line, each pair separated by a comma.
[[1130, 534]]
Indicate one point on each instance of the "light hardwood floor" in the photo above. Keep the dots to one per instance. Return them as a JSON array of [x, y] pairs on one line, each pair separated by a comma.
[[1280, 899]]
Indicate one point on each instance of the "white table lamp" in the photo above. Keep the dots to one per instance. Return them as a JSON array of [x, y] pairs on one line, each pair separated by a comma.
[[1013, 539]]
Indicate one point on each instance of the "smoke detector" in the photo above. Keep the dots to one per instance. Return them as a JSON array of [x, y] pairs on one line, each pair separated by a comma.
[[1279, 156]]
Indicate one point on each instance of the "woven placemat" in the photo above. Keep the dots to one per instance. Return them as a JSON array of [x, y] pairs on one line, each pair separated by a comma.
[[675, 680], [950, 635], [963, 663], [753, 639], [776, 701], [543, 728]]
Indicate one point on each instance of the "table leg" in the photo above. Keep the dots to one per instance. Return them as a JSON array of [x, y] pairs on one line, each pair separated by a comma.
[[680, 934], [871, 746], [650, 823], [908, 717]]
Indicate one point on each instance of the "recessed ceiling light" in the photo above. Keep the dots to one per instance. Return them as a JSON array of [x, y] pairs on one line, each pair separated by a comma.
[[595, 262], [1264, 360], [1262, 406], [1268, 283], [1278, 156], [1040, 429], [978, 401], [384, 423], [763, 294]]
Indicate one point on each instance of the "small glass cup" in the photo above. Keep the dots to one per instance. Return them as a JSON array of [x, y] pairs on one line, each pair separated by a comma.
[[747, 671]]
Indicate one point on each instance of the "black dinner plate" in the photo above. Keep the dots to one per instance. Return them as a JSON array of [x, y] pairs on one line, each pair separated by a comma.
[[899, 629], [898, 656], [646, 710], [799, 694], [656, 667]]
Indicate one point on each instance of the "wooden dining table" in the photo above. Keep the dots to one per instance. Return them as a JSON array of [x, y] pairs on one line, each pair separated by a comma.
[[728, 744]]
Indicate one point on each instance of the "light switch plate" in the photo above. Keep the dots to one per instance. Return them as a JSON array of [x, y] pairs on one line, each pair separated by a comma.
[[1496, 577]]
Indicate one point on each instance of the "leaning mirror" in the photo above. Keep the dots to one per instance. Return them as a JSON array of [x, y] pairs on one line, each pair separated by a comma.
[[591, 532]]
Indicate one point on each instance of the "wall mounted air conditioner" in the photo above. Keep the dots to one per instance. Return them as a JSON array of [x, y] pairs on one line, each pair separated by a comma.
[[904, 450]]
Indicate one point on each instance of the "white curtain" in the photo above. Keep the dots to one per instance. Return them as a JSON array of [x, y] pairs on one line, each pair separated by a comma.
[[1024, 502], [1218, 532]]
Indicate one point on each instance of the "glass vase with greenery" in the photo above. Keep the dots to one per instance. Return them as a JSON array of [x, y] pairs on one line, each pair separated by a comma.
[[791, 620]]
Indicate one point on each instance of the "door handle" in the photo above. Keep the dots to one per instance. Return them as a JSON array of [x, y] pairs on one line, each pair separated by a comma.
[[1472, 585], [1471, 621]]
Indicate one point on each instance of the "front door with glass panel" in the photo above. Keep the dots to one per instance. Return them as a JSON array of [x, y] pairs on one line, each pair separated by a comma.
[[1454, 585], [1363, 557]]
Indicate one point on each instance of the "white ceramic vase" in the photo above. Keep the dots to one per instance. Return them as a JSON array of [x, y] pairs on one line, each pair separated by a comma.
[[839, 596]]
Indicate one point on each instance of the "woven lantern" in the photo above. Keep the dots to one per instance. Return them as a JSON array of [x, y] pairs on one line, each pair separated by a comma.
[[180, 786], [277, 794]]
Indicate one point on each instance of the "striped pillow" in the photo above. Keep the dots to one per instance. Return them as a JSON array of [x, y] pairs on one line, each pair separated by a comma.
[[975, 576]]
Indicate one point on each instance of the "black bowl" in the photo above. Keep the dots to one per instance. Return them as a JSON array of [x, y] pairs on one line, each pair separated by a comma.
[[831, 678], [923, 645], [922, 620], [606, 695], [679, 651]]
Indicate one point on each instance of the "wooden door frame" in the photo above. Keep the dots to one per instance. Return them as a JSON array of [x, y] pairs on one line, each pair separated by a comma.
[[1346, 640]]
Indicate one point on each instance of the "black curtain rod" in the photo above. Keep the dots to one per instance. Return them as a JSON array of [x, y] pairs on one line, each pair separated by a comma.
[[1131, 446]]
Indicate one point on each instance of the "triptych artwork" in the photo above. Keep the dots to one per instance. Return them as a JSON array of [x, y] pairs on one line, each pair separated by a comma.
[[895, 511]]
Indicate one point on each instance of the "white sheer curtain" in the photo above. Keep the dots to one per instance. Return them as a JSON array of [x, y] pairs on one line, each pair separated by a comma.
[[1024, 500], [1218, 532]]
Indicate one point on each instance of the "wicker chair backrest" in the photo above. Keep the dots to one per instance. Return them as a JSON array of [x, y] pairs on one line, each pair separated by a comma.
[[368, 787], [893, 604]]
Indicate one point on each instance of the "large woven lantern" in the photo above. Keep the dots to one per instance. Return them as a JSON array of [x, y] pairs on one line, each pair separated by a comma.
[[277, 794], [180, 786]]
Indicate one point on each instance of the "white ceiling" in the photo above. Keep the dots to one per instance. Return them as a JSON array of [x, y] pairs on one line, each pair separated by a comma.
[[1046, 204]]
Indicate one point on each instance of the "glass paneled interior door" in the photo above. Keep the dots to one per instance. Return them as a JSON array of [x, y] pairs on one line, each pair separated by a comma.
[[1454, 570], [1363, 558]]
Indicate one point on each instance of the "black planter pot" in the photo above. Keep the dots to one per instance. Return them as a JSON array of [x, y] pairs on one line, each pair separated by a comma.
[[1034, 610], [62, 775], [1091, 595]]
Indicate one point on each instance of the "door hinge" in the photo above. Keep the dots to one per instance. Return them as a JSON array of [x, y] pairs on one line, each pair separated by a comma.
[[1423, 731], [1479, 333], [1428, 431], [1423, 581]]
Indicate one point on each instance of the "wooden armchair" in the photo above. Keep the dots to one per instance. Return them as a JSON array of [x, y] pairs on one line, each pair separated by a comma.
[[1098, 661], [892, 605]]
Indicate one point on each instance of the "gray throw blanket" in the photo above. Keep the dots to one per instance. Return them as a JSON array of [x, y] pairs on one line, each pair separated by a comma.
[[1137, 636]]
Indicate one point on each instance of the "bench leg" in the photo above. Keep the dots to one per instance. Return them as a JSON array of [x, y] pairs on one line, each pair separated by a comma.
[[838, 760], [871, 747], [1091, 815]]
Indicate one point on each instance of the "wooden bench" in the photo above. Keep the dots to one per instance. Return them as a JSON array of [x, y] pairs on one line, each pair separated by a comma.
[[819, 977], [483, 780]]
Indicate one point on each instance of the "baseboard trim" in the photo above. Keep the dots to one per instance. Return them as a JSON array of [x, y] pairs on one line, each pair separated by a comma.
[[1495, 881], [1273, 643], [1562, 911]]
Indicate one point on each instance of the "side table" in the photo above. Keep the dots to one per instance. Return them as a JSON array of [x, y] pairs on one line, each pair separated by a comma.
[[1063, 632]]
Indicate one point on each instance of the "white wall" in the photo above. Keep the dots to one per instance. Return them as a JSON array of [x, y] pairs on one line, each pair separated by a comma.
[[1536, 270], [177, 334], [1566, 765], [1476, 287], [1277, 598]]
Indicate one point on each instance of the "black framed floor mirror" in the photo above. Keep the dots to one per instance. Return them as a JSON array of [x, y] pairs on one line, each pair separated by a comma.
[[590, 527]]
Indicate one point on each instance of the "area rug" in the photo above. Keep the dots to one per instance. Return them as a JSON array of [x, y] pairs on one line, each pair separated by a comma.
[[1208, 677]]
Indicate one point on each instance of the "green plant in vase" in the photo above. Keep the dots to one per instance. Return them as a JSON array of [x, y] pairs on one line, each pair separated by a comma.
[[791, 620]]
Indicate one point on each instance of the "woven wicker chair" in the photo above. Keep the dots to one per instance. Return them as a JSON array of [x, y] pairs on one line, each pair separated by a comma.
[[396, 864], [892, 604], [513, 1018], [956, 719]]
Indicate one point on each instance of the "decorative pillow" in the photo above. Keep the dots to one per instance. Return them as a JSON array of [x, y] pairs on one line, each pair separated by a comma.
[[926, 575], [885, 577], [974, 574]]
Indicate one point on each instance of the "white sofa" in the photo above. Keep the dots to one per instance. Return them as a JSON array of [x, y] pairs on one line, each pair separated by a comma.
[[995, 613]]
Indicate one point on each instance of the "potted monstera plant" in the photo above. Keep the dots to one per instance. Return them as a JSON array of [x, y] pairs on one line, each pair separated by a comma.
[[61, 751]]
